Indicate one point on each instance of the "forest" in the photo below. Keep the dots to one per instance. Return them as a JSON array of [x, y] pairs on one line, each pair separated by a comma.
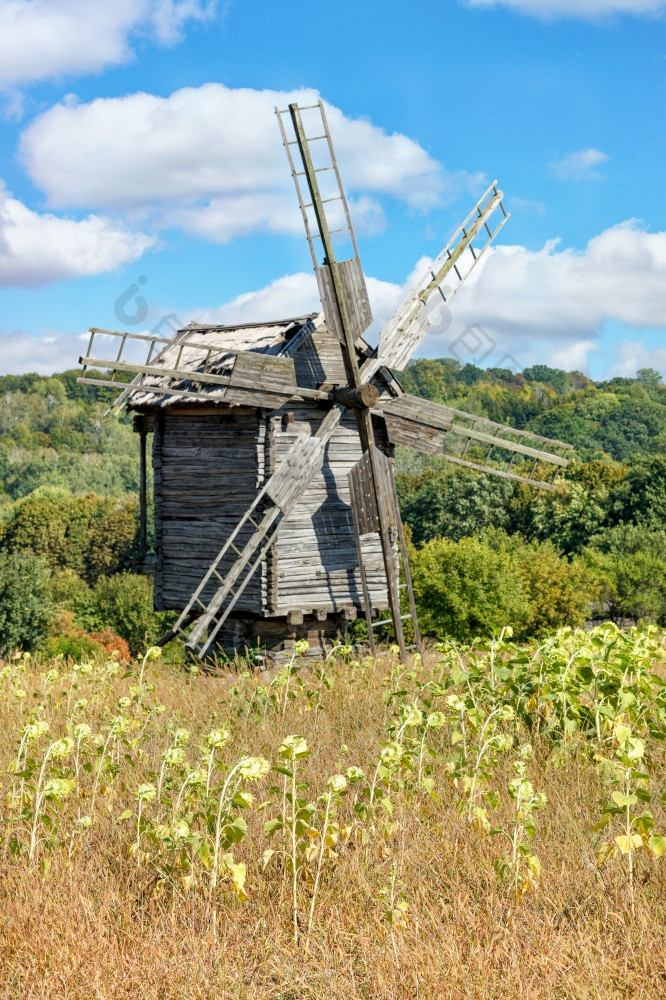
[[485, 552]]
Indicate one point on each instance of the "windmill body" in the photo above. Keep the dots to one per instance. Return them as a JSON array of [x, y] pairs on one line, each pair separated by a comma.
[[276, 512], [211, 456]]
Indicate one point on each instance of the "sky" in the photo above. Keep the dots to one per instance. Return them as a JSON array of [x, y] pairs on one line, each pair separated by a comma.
[[143, 183]]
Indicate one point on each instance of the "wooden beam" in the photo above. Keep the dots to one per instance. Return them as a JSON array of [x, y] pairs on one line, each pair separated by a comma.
[[204, 378]]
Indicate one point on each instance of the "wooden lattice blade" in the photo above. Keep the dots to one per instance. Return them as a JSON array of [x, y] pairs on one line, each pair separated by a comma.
[[255, 379], [425, 304], [328, 226], [472, 441], [375, 509]]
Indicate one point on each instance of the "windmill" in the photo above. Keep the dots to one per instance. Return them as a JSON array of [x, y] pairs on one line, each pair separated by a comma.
[[248, 382]]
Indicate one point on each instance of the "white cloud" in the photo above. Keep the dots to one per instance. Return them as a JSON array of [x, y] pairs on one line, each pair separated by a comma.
[[36, 249], [519, 307], [552, 303], [41, 39], [53, 352], [210, 160], [295, 295], [587, 9], [632, 355], [580, 166]]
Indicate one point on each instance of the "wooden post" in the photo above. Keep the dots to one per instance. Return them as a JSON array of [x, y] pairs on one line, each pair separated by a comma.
[[140, 428]]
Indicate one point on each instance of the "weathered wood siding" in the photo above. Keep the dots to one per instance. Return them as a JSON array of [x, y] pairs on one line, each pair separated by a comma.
[[314, 561], [208, 467]]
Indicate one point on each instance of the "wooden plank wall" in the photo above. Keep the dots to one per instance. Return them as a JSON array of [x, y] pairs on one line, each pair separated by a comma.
[[318, 360], [208, 467], [315, 554]]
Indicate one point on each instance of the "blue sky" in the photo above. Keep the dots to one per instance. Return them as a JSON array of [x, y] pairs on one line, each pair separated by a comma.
[[139, 142]]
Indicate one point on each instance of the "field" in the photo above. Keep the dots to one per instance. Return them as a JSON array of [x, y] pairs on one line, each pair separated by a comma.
[[485, 823]]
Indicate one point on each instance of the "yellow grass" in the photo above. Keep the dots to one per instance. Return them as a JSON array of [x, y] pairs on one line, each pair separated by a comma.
[[96, 925]]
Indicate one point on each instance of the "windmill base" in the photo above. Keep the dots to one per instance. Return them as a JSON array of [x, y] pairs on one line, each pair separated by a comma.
[[276, 636]]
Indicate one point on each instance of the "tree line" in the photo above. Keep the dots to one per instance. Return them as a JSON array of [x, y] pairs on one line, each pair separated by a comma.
[[486, 552]]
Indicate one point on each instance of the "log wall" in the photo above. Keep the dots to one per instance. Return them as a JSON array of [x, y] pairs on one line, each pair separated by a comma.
[[208, 467]]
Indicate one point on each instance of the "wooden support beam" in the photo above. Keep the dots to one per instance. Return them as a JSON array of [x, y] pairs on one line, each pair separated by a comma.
[[295, 617]]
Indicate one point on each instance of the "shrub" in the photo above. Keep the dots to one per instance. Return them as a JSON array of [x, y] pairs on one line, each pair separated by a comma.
[[74, 643], [478, 585], [123, 603], [629, 563], [468, 588], [25, 608], [560, 591]]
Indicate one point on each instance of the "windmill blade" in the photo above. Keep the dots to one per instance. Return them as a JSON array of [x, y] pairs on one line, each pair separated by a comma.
[[474, 442], [328, 226], [251, 538], [254, 378], [425, 304]]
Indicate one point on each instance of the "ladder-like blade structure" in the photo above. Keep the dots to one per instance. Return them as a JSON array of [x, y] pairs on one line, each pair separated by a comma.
[[474, 442], [251, 539], [427, 301], [184, 367], [342, 289], [328, 226]]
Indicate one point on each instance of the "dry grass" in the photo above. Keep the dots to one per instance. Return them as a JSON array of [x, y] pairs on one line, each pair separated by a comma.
[[95, 926]]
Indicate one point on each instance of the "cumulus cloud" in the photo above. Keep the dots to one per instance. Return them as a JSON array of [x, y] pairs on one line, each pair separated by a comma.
[[517, 308], [552, 303], [632, 355], [295, 295], [36, 249], [41, 39], [210, 160], [587, 9], [580, 166], [52, 352]]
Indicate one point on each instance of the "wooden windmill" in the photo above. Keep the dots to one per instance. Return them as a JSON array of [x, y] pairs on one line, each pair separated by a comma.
[[276, 513]]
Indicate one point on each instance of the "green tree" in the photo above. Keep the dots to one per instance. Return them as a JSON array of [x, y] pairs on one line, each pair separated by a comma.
[[468, 588], [629, 563], [561, 591], [452, 503], [568, 516], [25, 610], [641, 497], [90, 535]]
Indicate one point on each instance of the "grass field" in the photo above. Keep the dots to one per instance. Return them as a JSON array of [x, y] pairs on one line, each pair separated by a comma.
[[483, 824]]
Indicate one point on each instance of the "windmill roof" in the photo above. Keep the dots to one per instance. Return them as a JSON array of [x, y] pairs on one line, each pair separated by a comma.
[[191, 347]]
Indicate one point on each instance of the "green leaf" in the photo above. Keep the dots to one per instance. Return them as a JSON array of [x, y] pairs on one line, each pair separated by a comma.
[[622, 800], [272, 826], [657, 845], [125, 815]]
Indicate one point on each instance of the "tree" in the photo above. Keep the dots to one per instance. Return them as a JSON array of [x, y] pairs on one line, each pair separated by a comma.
[[90, 535], [641, 498], [649, 378], [468, 588], [629, 563], [453, 503], [568, 516], [25, 610], [561, 591]]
